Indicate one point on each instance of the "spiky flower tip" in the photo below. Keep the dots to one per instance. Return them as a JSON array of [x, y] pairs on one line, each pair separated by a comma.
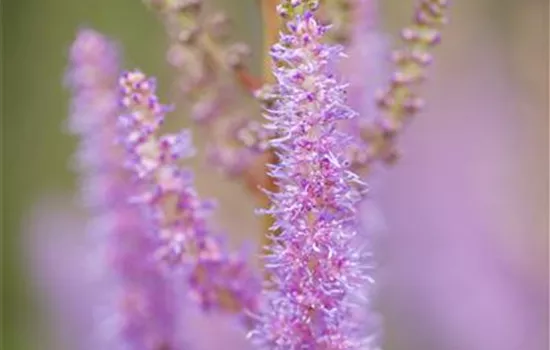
[[315, 269], [217, 279], [143, 306]]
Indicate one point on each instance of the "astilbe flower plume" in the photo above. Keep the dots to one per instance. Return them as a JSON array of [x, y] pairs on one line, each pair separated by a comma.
[[315, 269], [144, 307], [384, 112], [217, 279]]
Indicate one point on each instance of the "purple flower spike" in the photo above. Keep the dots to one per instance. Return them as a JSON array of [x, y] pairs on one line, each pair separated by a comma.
[[217, 279], [316, 270], [179, 215], [141, 311]]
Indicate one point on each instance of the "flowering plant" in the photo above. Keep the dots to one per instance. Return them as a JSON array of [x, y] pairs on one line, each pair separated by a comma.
[[326, 129]]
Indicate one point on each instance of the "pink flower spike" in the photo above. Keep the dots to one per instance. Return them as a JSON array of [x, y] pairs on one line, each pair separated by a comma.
[[216, 279], [316, 271], [141, 307]]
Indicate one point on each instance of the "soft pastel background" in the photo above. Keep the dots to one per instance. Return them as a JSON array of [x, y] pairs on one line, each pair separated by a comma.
[[466, 210]]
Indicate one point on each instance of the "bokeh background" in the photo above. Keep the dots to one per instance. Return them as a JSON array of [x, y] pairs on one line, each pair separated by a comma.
[[475, 163]]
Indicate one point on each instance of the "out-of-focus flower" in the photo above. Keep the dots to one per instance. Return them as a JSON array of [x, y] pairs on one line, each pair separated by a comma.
[[213, 79], [399, 102], [367, 66], [463, 256], [142, 313]]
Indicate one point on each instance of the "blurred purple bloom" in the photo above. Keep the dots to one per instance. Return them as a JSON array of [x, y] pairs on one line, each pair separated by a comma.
[[62, 263], [141, 314], [367, 67], [464, 270]]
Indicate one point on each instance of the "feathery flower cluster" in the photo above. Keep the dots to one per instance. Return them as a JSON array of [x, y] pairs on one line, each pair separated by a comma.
[[374, 135], [217, 279], [144, 309], [315, 269]]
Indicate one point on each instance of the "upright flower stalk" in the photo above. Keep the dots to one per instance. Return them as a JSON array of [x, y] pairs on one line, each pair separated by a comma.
[[316, 272], [143, 308], [217, 279]]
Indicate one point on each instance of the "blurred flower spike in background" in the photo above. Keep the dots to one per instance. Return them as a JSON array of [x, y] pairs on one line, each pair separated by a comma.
[[327, 201]]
